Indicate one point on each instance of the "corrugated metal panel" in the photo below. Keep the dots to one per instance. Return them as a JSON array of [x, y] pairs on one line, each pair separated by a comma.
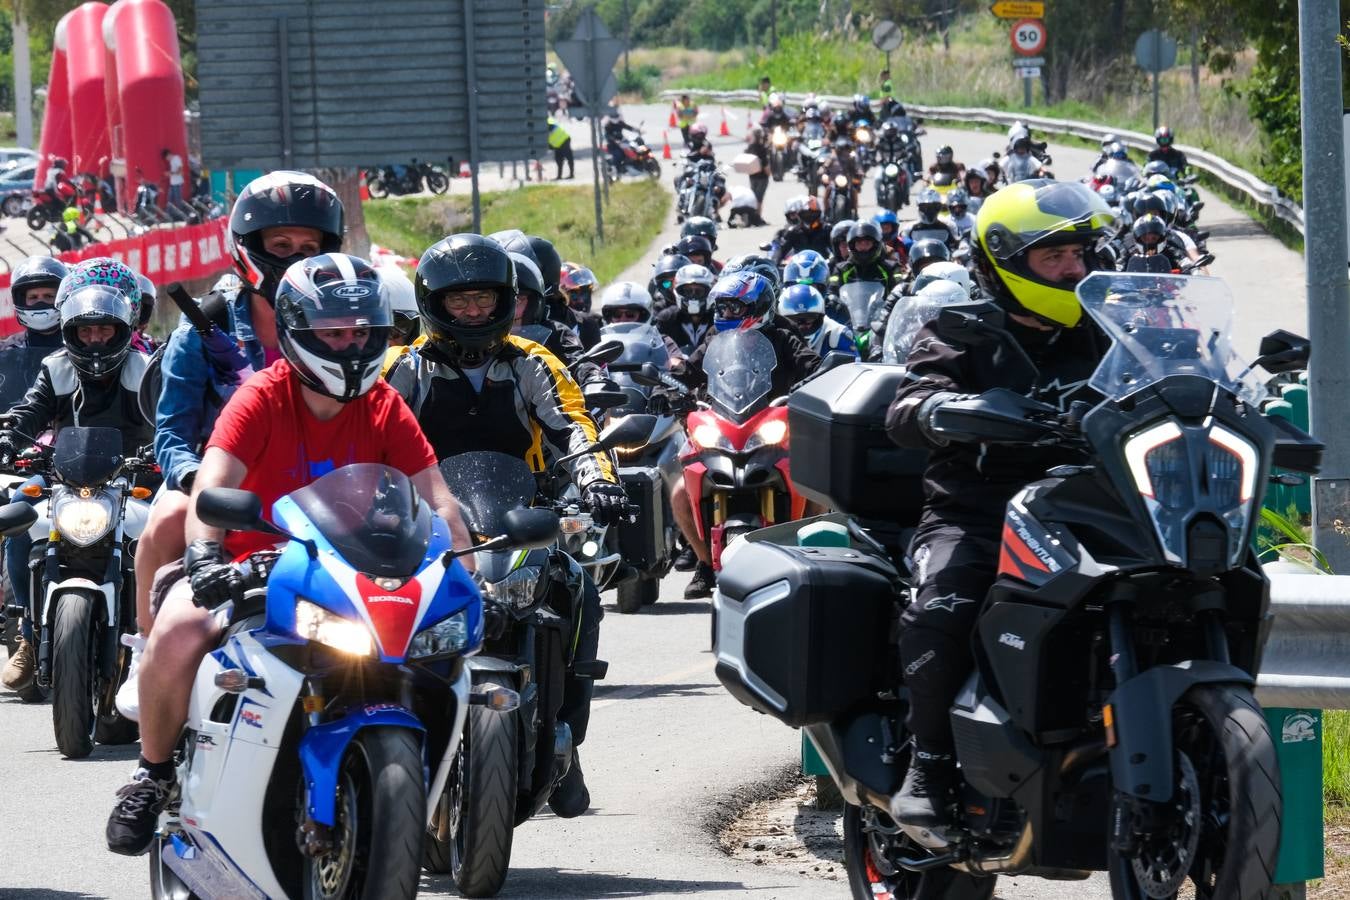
[[364, 89]]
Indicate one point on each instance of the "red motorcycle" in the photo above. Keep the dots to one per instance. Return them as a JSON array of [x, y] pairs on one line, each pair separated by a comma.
[[736, 467]]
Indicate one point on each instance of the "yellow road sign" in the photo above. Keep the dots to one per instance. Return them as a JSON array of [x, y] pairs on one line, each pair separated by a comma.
[[1019, 9]]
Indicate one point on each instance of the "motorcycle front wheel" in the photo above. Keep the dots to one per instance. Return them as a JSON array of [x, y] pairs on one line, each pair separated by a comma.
[[636, 593], [37, 218], [74, 686], [653, 166], [377, 189], [1223, 831], [381, 816], [437, 182], [869, 878]]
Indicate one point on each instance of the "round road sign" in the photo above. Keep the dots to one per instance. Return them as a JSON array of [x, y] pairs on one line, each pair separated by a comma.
[[1028, 36], [886, 36]]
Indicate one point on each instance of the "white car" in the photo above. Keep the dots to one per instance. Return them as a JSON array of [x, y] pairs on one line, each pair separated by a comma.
[[12, 156]]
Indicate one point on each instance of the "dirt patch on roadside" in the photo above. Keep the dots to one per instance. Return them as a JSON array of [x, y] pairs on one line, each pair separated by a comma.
[[1336, 860], [785, 831]]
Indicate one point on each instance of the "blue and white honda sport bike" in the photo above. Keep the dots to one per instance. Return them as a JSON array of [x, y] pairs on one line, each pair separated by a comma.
[[335, 702]]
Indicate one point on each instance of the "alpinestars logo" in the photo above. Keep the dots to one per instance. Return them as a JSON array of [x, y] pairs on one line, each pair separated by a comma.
[[1061, 393]]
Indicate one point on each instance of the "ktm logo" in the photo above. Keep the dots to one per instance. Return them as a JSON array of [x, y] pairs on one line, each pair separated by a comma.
[[389, 598]]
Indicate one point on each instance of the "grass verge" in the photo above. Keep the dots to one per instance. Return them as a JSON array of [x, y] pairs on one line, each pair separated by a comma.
[[1336, 762], [564, 215]]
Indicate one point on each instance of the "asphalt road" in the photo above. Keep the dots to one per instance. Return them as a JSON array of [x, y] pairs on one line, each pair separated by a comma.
[[667, 746]]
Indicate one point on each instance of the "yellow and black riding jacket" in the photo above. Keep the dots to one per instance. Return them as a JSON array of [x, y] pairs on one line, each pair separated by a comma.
[[528, 401]]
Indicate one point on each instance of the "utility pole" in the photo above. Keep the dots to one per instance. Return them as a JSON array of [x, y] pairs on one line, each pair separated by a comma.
[[1327, 285], [627, 37], [23, 80]]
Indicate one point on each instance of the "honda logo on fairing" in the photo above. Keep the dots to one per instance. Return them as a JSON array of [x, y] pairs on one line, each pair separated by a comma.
[[1012, 640], [390, 598]]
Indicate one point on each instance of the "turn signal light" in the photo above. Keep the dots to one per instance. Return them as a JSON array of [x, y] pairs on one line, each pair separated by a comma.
[[1109, 721], [142, 493], [31, 490]]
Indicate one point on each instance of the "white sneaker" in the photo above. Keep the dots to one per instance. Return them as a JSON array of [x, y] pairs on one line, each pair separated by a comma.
[[128, 695]]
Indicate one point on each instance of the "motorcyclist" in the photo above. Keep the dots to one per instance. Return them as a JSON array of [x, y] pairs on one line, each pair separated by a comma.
[[889, 223], [699, 145], [698, 249], [141, 339], [546, 259], [958, 206], [1021, 163], [93, 380], [867, 259], [929, 226], [402, 304], [1167, 152], [277, 220], [803, 307], [838, 254], [809, 267], [807, 234], [742, 300], [33, 289], [324, 405], [993, 173], [519, 400], [775, 115], [1035, 242], [688, 321], [614, 128], [976, 184], [578, 286], [662, 283], [946, 164], [628, 301], [843, 162]]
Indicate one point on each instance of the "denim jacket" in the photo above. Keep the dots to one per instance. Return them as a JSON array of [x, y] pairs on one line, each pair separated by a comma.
[[194, 390]]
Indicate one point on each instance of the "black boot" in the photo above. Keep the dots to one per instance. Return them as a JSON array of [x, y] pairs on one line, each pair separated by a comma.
[[570, 798], [705, 579], [686, 559], [923, 798]]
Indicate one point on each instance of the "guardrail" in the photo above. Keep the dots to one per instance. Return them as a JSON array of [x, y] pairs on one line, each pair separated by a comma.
[[1265, 195], [1307, 655]]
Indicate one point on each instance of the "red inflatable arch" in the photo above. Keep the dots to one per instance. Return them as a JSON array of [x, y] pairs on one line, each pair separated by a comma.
[[112, 100], [85, 65], [144, 42], [56, 139]]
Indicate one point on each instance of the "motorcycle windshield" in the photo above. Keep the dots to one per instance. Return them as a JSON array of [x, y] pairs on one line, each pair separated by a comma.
[[87, 457], [739, 366], [641, 344], [18, 370], [372, 516], [488, 485], [859, 296], [909, 315], [1119, 170], [813, 131], [1163, 325]]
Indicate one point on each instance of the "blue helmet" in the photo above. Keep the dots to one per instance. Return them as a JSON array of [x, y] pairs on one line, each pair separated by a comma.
[[806, 267], [887, 217], [801, 300], [741, 300]]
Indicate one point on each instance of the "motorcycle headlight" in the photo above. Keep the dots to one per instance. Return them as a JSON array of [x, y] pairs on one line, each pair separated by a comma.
[[82, 520], [447, 636], [863, 136], [708, 437], [516, 590], [892, 170], [768, 434], [315, 623], [840, 181], [779, 138]]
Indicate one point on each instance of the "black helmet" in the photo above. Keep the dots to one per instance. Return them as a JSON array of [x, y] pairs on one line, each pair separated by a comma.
[[663, 274], [463, 262], [700, 225], [692, 244], [530, 283], [333, 290], [760, 265], [944, 150], [550, 263], [890, 129], [147, 306], [33, 272], [929, 250], [839, 233], [1150, 230], [865, 229], [280, 199], [96, 304]]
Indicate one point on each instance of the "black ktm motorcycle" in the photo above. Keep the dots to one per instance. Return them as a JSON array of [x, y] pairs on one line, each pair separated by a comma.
[[1109, 723]]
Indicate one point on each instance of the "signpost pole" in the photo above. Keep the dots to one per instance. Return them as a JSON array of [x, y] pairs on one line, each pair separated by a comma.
[[1327, 286], [1157, 64], [1026, 90], [596, 147], [471, 79]]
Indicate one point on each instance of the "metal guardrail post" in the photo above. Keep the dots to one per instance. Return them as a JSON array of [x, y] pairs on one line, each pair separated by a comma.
[[1298, 746]]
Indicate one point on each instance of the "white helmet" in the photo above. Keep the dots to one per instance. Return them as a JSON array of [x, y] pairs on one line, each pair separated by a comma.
[[943, 292], [402, 298], [694, 276], [626, 295], [944, 271]]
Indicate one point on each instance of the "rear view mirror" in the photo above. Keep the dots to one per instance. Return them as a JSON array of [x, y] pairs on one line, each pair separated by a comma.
[[531, 528], [630, 430], [648, 376], [601, 398], [16, 518], [1284, 351], [231, 509], [601, 353]]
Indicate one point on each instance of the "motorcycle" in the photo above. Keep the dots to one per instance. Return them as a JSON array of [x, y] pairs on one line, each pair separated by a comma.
[[400, 180], [45, 208], [507, 765], [841, 197], [18, 370], [944, 183], [649, 542], [782, 148], [334, 705], [1109, 723], [736, 470], [862, 299], [892, 186], [82, 594], [145, 208], [862, 142], [811, 147], [701, 190], [637, 159]]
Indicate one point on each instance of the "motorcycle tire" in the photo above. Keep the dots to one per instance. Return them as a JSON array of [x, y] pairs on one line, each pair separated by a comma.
[[654, 167], [377, 189], [37, 218], [484, 781], [382, 804], [113, 727], [776, 166], [936, 884], [74, 696], [632, 595], [437, 182], [164, 882], [12, 631], [1222, 725]]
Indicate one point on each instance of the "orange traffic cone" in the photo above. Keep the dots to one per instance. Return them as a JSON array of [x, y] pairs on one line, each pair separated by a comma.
[[665, 145], [724, 131], [464, 169], [365, 192], [673, 122]]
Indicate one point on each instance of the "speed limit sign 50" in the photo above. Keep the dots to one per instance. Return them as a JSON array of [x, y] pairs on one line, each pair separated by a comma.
[[1028, 36]]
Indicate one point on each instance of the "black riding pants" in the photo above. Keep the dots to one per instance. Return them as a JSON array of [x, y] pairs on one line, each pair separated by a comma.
[[954, 566], [577, 692]]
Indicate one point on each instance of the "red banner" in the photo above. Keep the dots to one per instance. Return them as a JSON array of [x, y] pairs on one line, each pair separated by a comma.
[[164, 255]]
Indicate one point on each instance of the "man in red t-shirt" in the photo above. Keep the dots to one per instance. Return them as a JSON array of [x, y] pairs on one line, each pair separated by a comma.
[[320, 408]]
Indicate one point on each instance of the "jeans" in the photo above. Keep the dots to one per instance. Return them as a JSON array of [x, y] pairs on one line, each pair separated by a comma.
[[577, 692], [17, 549], [175, 195]]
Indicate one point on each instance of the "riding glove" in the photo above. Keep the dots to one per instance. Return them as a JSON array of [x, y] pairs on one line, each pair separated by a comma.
[[607, 501], [214, 581]]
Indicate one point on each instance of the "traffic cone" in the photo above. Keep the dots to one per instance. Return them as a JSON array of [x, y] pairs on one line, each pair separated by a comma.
[[673, 122], [665, 145], [724, 131], [464, 169], [365, 192]]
